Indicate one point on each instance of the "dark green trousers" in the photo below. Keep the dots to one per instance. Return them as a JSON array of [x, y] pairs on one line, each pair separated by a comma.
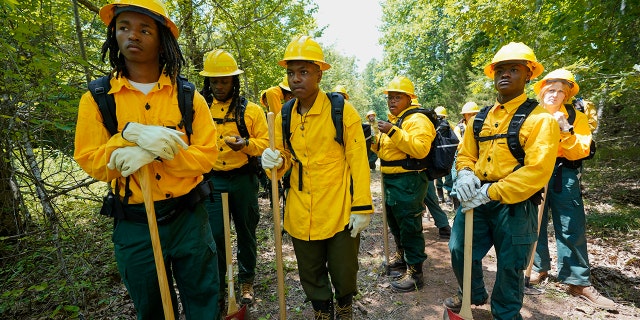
[[336, 257], [569, 224], [511, 229], [404, 193], [189, 257], [245, 214], [431, 201]]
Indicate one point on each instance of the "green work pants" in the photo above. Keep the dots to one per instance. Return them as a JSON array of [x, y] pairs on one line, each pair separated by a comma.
[[245, 214], [404, 193], [189, 257], [569, 224], [511, 229], [431, 201], [445, 182], [322, 263]]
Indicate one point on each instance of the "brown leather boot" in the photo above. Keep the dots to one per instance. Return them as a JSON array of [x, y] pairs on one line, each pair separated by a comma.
[[246, 290], [538, 277], [592, 297], [397, 266], [322, 310], [344, 308], [412, 280]]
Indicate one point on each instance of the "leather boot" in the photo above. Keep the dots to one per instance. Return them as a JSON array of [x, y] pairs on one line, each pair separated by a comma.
[[456, 203], [412, 280], [344, 308], [440, 194], [397, 266], [322, 310]]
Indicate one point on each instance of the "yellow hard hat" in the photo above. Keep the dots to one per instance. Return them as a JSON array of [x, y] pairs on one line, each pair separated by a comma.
[[340, 88], [414, 102], [441, 111], [401, 84], [560, 74], [371, 112], [470, 107], [284, 84], [515, 51], [304, 48], [219, 63], [156, 7]]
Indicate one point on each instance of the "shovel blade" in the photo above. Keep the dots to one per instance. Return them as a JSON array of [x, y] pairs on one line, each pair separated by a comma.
[[450, 315], [238, 315]]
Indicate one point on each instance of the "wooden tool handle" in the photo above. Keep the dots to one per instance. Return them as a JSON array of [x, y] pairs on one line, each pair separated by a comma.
[[275, 201], [146, 184]]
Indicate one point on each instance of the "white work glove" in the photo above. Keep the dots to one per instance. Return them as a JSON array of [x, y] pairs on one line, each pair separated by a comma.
[[466, 185], [271, 159], [481, 197], [161, 141], [565, 126], [357, 223], [128, 160]]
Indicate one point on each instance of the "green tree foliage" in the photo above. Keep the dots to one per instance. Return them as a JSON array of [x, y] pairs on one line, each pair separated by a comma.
[[443, 45]]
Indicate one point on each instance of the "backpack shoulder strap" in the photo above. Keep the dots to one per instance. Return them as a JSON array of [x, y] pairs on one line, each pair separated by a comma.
[[240, 123], [99, 89], [571, 111], [186, 93], [337, 114], [478, 121], [513, 140], [426, 112], [285, 112], [513, 131]]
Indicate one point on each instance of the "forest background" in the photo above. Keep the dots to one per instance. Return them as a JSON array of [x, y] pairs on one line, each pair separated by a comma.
[[55, 252]]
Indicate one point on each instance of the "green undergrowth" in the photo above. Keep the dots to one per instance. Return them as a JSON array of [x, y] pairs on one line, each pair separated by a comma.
[[65, 274]]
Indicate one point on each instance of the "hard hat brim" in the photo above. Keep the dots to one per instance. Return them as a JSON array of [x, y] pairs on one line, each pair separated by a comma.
[[323, 65], [220, 74], [412, 95], [537, 87], [107, 13], [537, 69]]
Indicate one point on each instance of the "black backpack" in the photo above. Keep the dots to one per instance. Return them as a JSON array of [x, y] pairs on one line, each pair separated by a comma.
[[571, 111], [513, 142], [337, 109], [443, 148], [100, 87]]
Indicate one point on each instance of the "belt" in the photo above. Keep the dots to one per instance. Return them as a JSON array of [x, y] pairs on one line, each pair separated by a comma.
[[169, 209]]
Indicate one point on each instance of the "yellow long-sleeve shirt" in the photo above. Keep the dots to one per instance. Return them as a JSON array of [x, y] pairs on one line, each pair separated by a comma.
[[575, 146], [323, 207], [492, 161], [414, 139], [274, 97], [94, 144], [258, 135]]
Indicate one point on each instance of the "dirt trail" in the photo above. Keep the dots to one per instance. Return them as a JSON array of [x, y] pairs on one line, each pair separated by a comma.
[[377, 301]]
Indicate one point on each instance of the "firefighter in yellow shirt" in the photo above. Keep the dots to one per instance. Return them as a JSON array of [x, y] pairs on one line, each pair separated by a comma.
[[329, 202], [273, 97], [404, 187], [151, 133], [242, 136], [500, 190], [564, 198]]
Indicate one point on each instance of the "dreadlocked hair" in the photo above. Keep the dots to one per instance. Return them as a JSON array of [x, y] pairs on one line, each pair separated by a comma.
[[171, 58], [235, 99], [207, 92]]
